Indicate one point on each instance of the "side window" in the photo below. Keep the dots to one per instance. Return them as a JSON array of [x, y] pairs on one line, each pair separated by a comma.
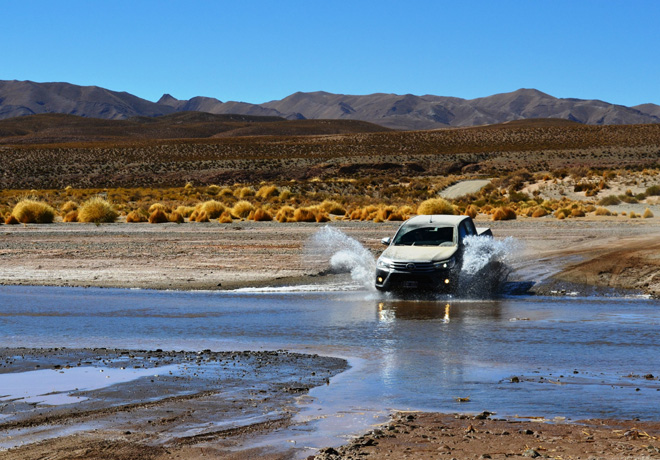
[[470, 227], [462, 232]]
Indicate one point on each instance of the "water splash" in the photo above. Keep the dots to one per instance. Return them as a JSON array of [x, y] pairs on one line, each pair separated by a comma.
[[485, 269], [344, 255], [480, 251]]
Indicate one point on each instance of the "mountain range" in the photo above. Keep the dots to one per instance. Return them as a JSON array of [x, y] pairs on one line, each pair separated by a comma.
[[405, 112]]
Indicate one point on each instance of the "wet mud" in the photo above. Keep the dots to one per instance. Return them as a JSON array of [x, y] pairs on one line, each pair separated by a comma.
[[187, 400]]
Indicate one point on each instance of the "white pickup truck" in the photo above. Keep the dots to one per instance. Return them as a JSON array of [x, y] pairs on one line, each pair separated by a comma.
[[426, 253]]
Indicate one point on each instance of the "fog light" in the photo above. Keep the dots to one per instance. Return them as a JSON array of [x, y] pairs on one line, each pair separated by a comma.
[[447, 281], [380, 279]]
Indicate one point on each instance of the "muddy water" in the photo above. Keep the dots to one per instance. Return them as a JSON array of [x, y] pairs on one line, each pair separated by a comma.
[[526, 356]]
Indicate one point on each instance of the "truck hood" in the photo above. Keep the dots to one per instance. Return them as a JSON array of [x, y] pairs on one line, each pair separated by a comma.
[[419, 253]]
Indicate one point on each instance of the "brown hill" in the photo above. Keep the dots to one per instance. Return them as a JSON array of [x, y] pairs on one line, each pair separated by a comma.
[[406, 112], [59, 128], [537, 145]]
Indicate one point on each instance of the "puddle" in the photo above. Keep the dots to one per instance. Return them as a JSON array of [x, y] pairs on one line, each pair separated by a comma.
[[54, 387]]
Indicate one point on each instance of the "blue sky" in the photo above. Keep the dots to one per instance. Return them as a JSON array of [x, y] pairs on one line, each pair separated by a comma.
[[257, 51]]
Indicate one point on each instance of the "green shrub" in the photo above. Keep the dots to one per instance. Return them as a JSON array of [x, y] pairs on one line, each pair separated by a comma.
[[610, 200]]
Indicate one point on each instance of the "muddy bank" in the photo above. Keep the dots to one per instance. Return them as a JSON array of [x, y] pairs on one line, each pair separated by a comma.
[[484, 436], [610, 252], [178, 401]]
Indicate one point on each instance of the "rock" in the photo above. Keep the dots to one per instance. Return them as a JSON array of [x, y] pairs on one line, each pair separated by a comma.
[[531, 453]]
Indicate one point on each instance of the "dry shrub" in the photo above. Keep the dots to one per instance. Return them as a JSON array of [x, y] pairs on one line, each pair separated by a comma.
[[304, 215], [267, 191], [212, 208], [185, 211], [28, 211], [603, 212], [284, 195], [471, 211], [158, 217], [435, 206], [176, 218], [332, 207], [69, 206], [539, 212], [647, 214], [225, 192], [356, 214], [11, 220], [213, 190], [284, 214], [504, 213], [188, 186], [135, 217], [577, 212], [242, 209], [261, 215], [633, 215], [322, 216], [201, 217], [225, 218], [396, 216], [243, 192], [71, 216], [561, 214], [157, 206], [97, 210]]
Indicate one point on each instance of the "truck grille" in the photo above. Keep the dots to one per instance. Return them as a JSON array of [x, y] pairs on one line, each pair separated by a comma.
[[413, 266]]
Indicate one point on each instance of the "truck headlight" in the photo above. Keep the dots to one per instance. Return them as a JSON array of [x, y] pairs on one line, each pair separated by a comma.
[[384, 263], [445, 264]]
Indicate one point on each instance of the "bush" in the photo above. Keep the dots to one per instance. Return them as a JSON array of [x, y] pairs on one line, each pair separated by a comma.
[[158, 217], [242, 209], [29, 211], [610, 200], [156, 206], [267, 191], [135, 217], [435, 206], [332, 207], [71, 216], [539, 212], [504, 214], [243, 192], [471, 211], [603, 212], [69, 206], [176, 217], [11, 220], [261, 216], [212, 208], [225, 218], [97, 210], [647, 214], [284, 214], [653, 190], [304, 215]]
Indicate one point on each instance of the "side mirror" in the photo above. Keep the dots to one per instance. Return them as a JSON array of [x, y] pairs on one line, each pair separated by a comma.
[[386, 241]]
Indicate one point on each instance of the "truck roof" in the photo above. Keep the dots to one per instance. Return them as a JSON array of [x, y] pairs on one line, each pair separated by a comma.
[[438, 219]]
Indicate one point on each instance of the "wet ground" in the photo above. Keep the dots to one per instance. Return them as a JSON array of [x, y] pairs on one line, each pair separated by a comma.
[[563, 356]]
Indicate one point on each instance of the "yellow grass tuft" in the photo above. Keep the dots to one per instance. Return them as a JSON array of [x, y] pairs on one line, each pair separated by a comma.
[[471, 211], [242, 209], [225, 218], [436, 206], [157, 206], [304, 215], [71, 216], [97, 210], [158, 217], [212, 208], [284, 214], [504, 213], [200, 217], [176, 217], [243, 192], [135, 217], [539, 212], [28, 211], [261, 215], [69, 206], [647, 214], [267, 191], [11, 220], [603, 212], [332, 207], [185, 211]]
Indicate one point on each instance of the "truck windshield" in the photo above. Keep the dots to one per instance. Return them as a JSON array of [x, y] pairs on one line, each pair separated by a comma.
[[425, 236]]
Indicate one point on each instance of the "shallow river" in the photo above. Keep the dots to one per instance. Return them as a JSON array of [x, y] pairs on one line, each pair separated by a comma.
[[527, 356]]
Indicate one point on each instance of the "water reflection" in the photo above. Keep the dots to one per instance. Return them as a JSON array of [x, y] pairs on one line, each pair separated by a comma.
[[433, 310]]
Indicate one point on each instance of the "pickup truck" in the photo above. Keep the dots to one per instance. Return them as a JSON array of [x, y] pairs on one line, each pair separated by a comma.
[[426, 253]]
